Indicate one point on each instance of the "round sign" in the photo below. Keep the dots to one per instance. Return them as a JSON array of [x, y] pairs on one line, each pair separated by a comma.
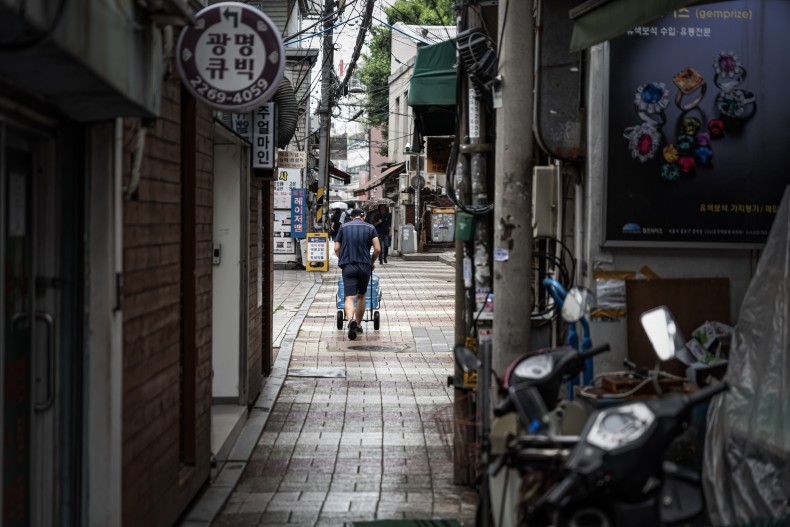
[[418, 182], [232, 57]]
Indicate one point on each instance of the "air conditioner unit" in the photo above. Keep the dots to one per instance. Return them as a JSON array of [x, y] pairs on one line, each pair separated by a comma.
[[403, 182], [544, 200], [430, 181], [411, 163]]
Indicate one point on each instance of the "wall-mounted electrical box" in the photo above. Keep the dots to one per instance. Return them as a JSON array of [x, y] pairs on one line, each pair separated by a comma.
[[545, 180]]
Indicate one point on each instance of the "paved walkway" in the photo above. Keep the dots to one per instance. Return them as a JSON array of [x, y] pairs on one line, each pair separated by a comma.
[[375, 442]]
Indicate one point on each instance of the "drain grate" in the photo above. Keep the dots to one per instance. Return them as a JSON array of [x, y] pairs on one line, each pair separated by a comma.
[[370, 347]]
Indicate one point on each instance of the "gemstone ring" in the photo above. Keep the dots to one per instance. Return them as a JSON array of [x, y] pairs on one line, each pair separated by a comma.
[[729, 70], [688, 82], [733, 103], [651, 98], [643, 141]]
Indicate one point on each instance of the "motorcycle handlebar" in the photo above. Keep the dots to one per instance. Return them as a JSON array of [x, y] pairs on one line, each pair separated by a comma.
[[593, 351], [707, 392]]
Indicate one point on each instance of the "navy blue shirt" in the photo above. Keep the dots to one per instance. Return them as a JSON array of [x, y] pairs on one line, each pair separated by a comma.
[[355, 239]]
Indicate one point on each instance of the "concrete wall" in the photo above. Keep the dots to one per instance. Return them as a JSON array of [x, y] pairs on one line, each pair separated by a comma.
[[156, 485], [737, 265], [399, 125]]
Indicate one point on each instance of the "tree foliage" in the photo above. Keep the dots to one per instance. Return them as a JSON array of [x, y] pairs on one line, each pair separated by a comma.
[[376, 67]]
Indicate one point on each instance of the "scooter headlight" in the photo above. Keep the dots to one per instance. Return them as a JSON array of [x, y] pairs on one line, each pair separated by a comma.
[[532, 368]]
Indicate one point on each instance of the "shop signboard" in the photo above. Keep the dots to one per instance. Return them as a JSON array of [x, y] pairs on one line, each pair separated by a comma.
[[283, 245], [263, 136], [257, 127], [298, 213], [232, 57], [292, 159], [317, 251], [697, 127], [287, 180]]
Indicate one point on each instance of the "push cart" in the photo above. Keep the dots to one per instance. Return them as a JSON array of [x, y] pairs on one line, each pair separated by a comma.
[[372, 302]]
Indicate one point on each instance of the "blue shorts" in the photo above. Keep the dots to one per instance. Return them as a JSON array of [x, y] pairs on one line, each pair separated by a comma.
[[355, 279]]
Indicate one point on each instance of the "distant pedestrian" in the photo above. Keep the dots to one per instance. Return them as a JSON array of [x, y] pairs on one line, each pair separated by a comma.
[[383, 223], [352, 247], [345, 216], [335, 223]]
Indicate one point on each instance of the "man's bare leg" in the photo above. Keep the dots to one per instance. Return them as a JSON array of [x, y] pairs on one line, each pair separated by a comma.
[[348, 307], [360, 311]]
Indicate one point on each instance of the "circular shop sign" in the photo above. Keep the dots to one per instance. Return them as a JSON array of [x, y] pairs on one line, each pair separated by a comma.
[[232, 57]]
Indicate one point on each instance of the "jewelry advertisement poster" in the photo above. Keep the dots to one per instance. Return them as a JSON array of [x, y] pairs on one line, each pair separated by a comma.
[[698, 137]]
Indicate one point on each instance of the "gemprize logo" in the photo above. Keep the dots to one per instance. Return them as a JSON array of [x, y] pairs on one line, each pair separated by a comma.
[[232, 58]]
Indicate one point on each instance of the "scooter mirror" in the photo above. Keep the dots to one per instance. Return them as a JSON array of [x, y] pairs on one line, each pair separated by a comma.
[[466, 359], [577, 304], [663, 332]]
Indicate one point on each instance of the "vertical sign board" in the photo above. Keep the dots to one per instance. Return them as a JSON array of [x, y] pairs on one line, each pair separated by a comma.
[[232, 57], [298, 213], [242, 124], [257, 127], [317, 251], [263, 136], [697, 126]]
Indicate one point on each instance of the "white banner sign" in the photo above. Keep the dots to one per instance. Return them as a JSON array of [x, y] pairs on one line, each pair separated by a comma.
[[287, 179]]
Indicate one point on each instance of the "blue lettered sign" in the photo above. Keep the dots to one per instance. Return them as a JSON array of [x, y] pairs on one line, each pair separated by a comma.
[[298, 213]]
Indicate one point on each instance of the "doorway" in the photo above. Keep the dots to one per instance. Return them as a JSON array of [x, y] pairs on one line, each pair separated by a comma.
[[230, 290], [32, 294]]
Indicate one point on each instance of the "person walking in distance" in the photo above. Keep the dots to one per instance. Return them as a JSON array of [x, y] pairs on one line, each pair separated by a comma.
[[383, 223], [352, 247]]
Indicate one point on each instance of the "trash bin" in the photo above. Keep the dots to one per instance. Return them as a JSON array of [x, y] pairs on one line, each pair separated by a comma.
[[408, 240]]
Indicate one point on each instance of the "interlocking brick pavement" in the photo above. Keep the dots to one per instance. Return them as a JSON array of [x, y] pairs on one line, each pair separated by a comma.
[[371, 445]]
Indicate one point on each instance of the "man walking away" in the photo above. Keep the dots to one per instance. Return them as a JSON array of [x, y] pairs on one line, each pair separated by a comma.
[[382, 223], [352, 247]]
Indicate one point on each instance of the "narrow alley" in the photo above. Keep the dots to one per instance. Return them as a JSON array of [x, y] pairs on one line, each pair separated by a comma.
[[361, 430]]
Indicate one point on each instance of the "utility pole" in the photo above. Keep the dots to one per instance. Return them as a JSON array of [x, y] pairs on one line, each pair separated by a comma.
[[324, 108], [513, 183]]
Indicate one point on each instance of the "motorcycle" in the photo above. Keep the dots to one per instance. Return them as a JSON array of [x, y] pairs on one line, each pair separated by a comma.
[[616, 474], [531, 391]]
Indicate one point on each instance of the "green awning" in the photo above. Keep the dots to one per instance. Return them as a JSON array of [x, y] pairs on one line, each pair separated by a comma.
[[595, 21], [432, 89], [433, 79]]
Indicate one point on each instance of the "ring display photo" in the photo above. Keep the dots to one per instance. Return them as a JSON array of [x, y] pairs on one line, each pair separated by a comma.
[[697, 126]]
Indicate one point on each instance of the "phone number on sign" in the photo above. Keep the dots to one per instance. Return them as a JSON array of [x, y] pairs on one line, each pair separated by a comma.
[[220, 96]]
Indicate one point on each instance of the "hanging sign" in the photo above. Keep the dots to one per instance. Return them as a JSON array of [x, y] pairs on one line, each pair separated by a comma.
[[232, 57], [298, 213], [263, 136]]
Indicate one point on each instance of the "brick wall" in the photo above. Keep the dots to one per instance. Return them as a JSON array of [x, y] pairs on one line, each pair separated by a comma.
[[156, 486], [254, 348]]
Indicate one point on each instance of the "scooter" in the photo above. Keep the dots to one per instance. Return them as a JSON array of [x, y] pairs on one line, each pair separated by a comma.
[[531, 385], [615, 476]]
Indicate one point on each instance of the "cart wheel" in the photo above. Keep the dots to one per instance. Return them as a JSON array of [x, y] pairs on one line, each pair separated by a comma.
[[339, 319], [376, 320]]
